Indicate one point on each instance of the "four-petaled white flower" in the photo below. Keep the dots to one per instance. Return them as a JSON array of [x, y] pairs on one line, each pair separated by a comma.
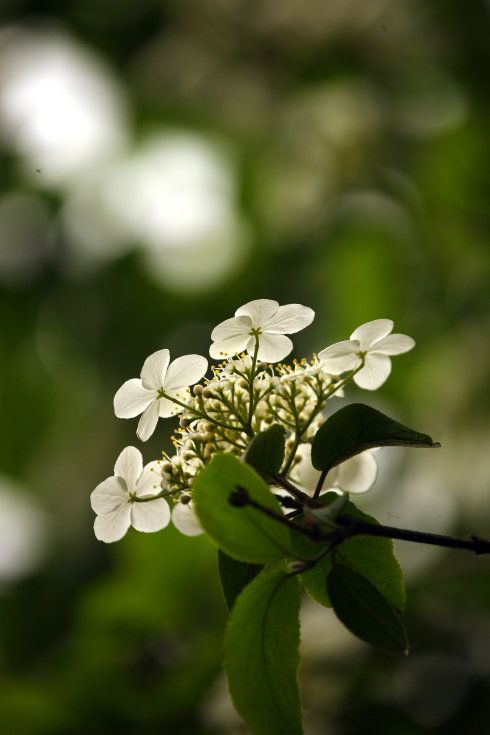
[[266, 320], [158, 377], [356, 475], [115, 499], [372, 342]]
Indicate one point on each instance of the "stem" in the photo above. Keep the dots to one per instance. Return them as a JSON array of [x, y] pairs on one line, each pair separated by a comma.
[[292, 489], [357, 527], [147, 498], [320, 401], [241, 498], [200, 414], [251, 380], [349, 527], [319, 484]]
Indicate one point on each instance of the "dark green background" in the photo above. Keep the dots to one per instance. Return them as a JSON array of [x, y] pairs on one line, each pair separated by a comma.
[[358, 140]]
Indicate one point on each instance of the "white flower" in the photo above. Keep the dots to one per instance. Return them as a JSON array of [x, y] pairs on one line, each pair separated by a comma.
[[372, 341], [267, 320], [185, 520], [356, 475], [157, 377], [114, 499]]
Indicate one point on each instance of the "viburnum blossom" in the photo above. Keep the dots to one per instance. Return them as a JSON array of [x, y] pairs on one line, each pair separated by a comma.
[[369, 346], [117, 501], [152, 395], [249, 391], [356, 475], [185, 520], [266, 320]]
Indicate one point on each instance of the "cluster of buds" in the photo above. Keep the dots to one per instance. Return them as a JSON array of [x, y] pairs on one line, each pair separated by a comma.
[[250, 389]]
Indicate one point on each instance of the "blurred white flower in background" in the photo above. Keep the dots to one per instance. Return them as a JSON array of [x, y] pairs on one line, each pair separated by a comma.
[[60, 108], [23, 533], [172, 194]]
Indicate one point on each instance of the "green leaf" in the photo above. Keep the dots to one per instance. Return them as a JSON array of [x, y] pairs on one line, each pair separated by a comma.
[[234, 576], [372, 557], [364, 611], [245, 533], [266, 450], [261, 654], [356, 428]]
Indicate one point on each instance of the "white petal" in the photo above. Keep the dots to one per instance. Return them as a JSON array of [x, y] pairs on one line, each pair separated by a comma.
[[394, 344], [129, 466], [229, 346], [375, 371], [272, 347], [331, 479], [185, 520], [149, 480], [372, 332], [167, 408], [184, 371], [148, 421], [289, 319], [154, 369], [304, 474], [340, 357], [231, 328], [259, 311], [131, 399], [112, 526], [151, 516], [357, 474], [109, 495]]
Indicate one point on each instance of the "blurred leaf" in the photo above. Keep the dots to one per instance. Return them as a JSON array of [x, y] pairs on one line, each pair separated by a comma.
[[261, 654], [234, 576], [245, 533], [358, 427], [364, 610], [266, 450], [372, 557]]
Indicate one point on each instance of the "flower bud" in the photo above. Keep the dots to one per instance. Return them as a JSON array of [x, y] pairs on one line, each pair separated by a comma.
[[197, 389], [185, 499], [208, 451], [166, 467]]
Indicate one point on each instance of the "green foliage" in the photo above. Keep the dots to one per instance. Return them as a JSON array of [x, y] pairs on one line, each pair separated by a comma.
[[244, 533], [358, 427], [364, 611], [266, 450], [234, 576], [261, 654], [372, 557]]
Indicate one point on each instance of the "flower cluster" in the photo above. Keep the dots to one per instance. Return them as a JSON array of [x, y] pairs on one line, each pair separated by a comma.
[[247, 391]]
